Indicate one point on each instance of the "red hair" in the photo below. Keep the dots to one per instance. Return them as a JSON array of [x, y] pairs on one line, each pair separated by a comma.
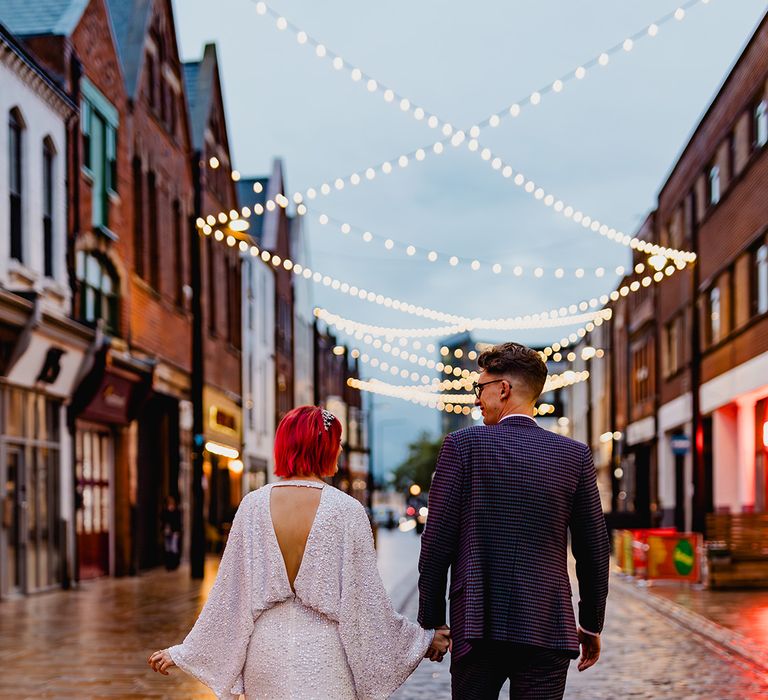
[[303, 444]]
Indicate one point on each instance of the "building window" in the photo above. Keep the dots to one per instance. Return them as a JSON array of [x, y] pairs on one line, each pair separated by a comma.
[[15, 174], [714, 184], [178, 240], [714, 317], [100, 159], [48, 188], [98, 290], [138, 217], [731, 158], [153, 242], [151, 82], [761, 279], [760, 124], [673, 336]]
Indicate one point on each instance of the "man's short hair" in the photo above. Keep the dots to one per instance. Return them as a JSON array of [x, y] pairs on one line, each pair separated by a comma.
[[516, 360]]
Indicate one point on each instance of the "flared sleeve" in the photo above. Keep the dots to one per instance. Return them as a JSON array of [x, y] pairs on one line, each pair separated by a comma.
[[383, 648], [214, 650]]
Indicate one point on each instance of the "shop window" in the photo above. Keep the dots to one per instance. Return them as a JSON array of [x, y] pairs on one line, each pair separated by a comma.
[[760, 286], [15, 181], [760, 124], [98, 290], [714, 184], [48, 204]]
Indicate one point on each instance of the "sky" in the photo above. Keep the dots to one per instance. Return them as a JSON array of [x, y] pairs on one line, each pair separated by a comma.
[[605, 144]]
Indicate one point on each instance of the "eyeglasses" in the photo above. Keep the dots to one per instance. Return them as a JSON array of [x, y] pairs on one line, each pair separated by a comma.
[[478, 387]]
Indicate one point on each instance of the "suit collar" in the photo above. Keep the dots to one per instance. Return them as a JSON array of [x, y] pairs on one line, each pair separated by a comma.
[[518, 419]]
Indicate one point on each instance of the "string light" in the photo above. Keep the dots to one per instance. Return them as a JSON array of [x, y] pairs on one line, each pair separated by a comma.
[[444, 402], [588, 222], [456, 262], [493, 120], [548, 319], [650, 30], [369, 83]]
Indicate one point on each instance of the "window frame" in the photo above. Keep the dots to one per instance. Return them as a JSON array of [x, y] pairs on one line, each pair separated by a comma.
[[758, 269], [49, 180], [714, 185], [16, 172], [759, 123], [106, 303]]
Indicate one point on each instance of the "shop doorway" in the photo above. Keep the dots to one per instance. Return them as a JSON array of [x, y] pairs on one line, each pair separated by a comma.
[[93, 467], [12, 521]]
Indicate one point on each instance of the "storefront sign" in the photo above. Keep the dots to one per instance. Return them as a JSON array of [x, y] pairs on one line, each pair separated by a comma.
[[47, 363], [111, 402], [674, 557], [223, 418]]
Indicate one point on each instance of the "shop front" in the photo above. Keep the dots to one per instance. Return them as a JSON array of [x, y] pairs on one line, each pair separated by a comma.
[[224, 483], [41, 356], [106, 404]]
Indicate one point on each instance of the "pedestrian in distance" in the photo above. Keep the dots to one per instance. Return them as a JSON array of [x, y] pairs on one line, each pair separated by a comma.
[[504, 497], [298, 609], [171, 520]]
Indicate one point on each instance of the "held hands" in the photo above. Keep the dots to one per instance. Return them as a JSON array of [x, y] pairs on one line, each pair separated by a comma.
[[441, 644], [590, 649], [161, 661]]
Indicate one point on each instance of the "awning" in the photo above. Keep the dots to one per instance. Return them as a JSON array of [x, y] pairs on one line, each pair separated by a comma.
[[112, 392], [49, 352]]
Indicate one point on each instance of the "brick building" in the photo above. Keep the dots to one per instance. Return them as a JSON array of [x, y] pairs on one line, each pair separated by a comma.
[[688, 356], [131, 201], [713, 319], [221, 294]]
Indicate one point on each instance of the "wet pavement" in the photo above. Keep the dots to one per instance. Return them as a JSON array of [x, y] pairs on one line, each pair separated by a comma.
[[94, 642]]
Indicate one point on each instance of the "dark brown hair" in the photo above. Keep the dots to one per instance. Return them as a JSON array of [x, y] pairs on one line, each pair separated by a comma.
[[516, 360]]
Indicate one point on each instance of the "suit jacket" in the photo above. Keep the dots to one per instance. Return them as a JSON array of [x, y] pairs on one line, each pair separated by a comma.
[[502, 501]]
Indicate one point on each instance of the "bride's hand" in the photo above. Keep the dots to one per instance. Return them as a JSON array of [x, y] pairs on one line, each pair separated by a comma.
[[161, 661], [441, 644]]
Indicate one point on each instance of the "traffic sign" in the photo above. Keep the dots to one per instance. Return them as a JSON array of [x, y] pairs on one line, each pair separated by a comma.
[[680, 443]]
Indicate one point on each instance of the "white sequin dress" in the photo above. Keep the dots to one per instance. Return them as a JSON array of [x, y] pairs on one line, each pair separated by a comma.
[[334, 636]]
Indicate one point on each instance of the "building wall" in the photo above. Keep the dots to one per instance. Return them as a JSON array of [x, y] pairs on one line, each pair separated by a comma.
[[44, 118], [160, 315]]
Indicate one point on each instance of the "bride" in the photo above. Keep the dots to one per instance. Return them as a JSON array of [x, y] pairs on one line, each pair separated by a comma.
[[298, 609]]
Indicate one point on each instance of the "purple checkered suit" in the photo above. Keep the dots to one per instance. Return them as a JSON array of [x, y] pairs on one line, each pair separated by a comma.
[[502, 501]]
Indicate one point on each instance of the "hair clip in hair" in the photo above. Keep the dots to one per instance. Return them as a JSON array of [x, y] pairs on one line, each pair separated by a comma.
[[328, 419]]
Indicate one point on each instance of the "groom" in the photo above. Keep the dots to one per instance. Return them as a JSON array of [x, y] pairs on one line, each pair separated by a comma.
[[503, 499]]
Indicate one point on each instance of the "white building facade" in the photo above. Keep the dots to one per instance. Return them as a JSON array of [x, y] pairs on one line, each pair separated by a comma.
[[43, 351]]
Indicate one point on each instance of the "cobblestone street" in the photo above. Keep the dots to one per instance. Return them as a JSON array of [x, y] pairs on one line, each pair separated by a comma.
[[93, 643]]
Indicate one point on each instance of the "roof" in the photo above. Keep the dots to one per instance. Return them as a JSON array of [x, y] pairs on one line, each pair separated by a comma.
[[130, 20], [246, 197], [199, 80], [30, 18], [12, 43]]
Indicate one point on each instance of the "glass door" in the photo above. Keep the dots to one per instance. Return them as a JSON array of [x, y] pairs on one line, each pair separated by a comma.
[[13, 521]]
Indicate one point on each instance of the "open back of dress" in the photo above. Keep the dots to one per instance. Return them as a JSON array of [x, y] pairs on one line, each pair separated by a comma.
[[293, 511]]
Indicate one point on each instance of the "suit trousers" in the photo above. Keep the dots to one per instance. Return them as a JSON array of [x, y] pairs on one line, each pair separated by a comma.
[[534, 673]]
